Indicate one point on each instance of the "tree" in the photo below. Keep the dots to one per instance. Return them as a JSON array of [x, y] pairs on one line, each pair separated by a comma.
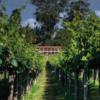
[[48, 14], [62, 38], [39, 34], [16, 14], [80, 6], [29, 36]]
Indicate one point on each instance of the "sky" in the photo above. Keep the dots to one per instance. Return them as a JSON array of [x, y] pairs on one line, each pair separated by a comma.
[[27, 14]]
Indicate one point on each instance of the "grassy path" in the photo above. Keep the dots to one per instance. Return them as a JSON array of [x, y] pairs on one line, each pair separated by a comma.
[[44, 89], [49, 88]]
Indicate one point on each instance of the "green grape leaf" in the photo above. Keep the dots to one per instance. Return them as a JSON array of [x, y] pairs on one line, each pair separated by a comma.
[[15, 47], [84, 58], [88, 54], [0, 61], [5, 17], [1, 21], [23, 35], [17, 71], [12, 17], [1, 47], [97, 49], [14, 63], [16, 34], [4, 8], [2, 30], [11, 31], [83, 49], [4, 37], [26, 2]]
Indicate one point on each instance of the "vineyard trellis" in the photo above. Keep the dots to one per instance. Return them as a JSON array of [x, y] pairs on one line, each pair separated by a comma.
[[23, 62], [83, 53], [19, 59]]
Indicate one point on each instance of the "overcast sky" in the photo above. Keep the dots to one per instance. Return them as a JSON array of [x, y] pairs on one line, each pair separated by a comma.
[[27, 14]]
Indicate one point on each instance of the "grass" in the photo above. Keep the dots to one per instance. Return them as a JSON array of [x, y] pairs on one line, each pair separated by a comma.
[[63, 93], [4, 87], [2, 75], [49, 88], [44, 89], [94, 91], [37, 90]]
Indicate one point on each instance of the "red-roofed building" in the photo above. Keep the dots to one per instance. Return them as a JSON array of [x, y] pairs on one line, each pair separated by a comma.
[[49, 49]]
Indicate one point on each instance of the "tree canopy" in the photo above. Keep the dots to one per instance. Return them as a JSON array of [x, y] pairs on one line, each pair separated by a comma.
[[80, 6], [48, 14]]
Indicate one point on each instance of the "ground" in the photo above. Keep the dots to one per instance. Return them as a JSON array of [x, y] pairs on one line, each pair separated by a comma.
[[46, 90]]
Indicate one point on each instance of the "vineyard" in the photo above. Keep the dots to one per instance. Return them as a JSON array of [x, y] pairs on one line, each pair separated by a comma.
[[21, 65], [82, 55], [19, 60]]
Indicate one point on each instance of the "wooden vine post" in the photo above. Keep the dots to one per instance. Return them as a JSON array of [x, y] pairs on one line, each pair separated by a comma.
[[22, 81], [85, 85], [21, 85], [76, 84], [11, 84], [60, 75], [16, 92], [65, 78], [69, 81], [82, 71], [94, 76], [15, 83], [5, 74], [27, 89], [88, 81], [55, 71], [30, 84], [0, 74], [99, 82], [97, 71]]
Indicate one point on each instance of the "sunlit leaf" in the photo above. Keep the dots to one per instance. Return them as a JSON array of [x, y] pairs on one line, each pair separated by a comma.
[[14, 63], [5, 17]]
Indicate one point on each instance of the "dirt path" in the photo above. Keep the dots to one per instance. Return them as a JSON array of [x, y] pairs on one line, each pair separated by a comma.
[[46, 89]]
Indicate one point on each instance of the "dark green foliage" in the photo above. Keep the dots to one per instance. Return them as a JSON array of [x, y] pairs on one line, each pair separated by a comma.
[[29, 34], [16, 15], [48, 14], [1, 49], [39, 34], [62, 38], [80, 6]]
